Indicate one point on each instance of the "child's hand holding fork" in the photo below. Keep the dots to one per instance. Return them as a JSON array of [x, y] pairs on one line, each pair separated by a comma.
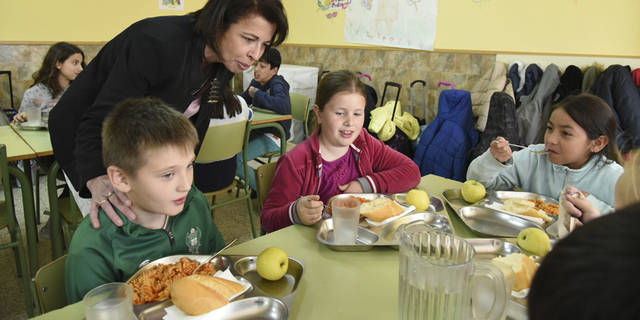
[[500, 149]]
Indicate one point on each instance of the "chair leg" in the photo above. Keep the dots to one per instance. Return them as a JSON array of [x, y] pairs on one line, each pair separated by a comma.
[[16, 253], [36, 181], [250, 207], [23, 270]]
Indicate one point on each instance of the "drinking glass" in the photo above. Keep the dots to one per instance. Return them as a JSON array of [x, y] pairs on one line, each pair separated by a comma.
[[440, 280], [109, 301], [34, 116], [346, 214]]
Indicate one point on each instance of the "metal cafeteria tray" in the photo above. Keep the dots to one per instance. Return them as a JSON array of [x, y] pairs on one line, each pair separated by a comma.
[[435, 205], [487, 248], [267, 308], [503, 195], [243, 267], [32, 125], [380, 236], [493, 222], [487, 220], [454, 197]]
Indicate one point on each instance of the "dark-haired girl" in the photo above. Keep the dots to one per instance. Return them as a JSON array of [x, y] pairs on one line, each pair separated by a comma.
[[579, 151], [61, 65]]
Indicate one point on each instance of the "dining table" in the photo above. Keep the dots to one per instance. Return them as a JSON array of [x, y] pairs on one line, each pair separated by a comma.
[[334, 284]]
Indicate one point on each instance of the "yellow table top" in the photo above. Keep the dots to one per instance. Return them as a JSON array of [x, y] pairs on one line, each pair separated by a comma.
[[38, 140], [265, 117], [334, 285], [17, 148]]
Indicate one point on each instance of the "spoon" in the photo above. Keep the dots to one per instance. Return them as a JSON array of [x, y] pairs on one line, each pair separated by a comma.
[[213, 256]]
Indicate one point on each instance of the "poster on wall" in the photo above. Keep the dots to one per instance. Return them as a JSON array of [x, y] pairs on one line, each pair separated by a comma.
[[333, 6], [171, 4], [403, 23]]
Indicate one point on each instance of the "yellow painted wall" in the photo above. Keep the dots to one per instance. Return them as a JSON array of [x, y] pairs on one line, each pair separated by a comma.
[[573, 27], [76, 20]]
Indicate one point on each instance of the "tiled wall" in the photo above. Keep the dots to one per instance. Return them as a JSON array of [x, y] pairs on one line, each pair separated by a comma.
[[463, 69], [399, 66]]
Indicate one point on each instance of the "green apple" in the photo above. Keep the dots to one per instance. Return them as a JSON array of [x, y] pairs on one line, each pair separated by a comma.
[[418, 198], [272, 263], [473, 191], [534, 241]]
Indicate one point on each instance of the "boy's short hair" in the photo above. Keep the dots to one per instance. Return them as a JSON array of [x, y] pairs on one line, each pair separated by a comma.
[[137, 125], [272, 57]]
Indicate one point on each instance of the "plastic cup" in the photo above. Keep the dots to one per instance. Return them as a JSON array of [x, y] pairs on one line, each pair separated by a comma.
[[346, 214], [109, 301], [34, 116]]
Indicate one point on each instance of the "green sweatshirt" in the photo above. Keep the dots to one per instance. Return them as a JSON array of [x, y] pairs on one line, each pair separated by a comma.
[[114, 254]]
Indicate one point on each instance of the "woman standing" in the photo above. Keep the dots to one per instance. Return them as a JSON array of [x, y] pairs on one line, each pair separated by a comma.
[[187, 61], [61, 65]]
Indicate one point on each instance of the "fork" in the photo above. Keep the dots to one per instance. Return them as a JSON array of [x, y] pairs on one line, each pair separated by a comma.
[[213, 256], [523, 147]]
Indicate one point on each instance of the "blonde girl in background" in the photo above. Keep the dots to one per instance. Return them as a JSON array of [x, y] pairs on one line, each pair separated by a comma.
[[339, 157], [579, 151], [61, 65]]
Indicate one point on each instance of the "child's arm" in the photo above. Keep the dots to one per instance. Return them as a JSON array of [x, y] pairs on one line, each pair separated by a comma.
[[492, 173], [278, 101], [246, 96], [392, 171], [280, 207]]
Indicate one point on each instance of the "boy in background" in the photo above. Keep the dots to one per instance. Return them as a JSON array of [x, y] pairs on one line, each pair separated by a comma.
[[148, 149], [270, 91]]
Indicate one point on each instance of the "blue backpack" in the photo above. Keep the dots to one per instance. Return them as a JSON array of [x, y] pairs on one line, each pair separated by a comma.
[[444, 145]]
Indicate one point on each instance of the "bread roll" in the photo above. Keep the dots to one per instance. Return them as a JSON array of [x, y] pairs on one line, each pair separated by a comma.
[[380, 209], [522, 266], [198, 294], [525, 207]]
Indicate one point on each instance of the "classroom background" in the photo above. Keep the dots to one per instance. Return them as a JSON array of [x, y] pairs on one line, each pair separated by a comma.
[[471, 37]]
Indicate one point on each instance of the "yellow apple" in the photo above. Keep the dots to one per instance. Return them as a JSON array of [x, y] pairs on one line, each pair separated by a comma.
[[473, 191], [272, 263], [418, 198], [534, 241]]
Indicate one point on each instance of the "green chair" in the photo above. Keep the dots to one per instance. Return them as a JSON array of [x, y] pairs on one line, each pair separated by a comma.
[[264, 177], [50, 287], [300, 108], [65, 215], [223, 142], [8, 220]]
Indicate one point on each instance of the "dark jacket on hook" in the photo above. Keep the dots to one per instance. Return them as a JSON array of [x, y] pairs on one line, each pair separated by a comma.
[[616, 87]]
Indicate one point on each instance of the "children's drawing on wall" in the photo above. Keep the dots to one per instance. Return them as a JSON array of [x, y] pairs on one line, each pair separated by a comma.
[[171, 4], [326, 5], [403, 24]]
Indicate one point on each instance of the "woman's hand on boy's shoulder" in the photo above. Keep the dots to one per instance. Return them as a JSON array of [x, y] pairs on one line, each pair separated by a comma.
[[310, 209], [500, 149], [103, 195]]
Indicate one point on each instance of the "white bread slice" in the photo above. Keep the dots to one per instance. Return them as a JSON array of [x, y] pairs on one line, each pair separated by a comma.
[[199, 294], [523, 267], [380, 209], [525, 207]]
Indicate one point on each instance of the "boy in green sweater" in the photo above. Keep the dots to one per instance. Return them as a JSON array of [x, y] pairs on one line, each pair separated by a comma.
[[148, 149]]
